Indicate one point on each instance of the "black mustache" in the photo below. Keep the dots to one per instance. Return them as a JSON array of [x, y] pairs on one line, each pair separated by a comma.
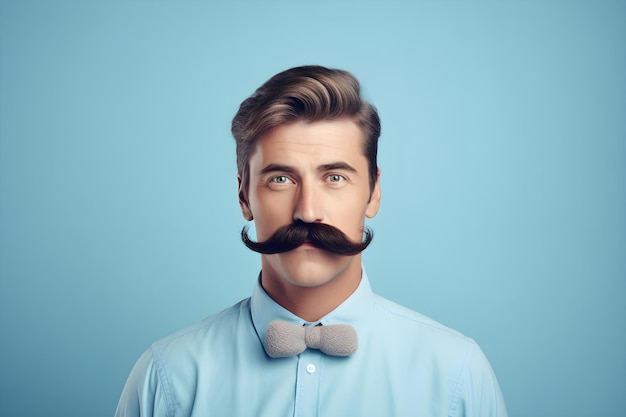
[[321, 235]]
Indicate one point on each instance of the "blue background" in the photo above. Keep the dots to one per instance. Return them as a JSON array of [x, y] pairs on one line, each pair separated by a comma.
[[504, 181]]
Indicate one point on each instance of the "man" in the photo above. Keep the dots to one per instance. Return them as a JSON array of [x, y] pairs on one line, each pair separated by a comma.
[[312, 340]]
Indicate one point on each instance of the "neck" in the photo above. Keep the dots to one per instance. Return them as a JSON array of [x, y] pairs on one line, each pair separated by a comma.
[[311, 303]]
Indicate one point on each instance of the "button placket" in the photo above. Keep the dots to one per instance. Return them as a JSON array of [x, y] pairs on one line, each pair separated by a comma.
[[308, 382]]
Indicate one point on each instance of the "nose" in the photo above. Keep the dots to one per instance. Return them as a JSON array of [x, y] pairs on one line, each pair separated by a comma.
[[307, 206]]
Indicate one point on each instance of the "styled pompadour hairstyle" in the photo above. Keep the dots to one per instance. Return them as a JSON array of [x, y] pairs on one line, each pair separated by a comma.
[[308, 93]]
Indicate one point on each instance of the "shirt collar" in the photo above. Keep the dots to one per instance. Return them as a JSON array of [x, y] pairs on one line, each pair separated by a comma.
[[355, 310]]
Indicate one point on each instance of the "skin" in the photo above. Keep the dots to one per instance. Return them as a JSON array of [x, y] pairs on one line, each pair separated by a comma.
[[313, 172]]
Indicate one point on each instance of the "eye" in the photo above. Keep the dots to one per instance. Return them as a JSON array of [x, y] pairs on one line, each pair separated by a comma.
[[280, 179], [279, 182], [335, 178]]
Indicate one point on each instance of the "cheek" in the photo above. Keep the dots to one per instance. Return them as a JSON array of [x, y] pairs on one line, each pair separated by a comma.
[[350, 220], [269, 215]]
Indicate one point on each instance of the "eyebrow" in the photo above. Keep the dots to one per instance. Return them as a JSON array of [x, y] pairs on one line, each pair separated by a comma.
[[322, 168], [336, 166], [276, 168]]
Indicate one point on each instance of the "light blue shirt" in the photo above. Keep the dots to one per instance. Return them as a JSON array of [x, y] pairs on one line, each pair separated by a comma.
[[406, 365]]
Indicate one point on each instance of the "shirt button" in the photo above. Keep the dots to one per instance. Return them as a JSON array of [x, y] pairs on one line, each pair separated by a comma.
[[310, 368]]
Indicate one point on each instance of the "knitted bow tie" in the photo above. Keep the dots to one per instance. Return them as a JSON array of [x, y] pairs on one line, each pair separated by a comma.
[[287, 339]]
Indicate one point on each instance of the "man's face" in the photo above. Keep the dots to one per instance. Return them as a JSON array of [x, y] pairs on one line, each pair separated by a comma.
[[312, 172]]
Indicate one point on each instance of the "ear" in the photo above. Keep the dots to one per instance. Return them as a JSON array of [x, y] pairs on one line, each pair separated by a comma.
[[374, 204], [243, 201]]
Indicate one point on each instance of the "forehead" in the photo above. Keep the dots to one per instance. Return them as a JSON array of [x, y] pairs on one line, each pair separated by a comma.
[[302, 142]]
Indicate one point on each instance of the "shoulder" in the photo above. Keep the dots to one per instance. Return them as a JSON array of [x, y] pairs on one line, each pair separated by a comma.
[[206, 327], [167, 371], [412, 321], [472, 385], [413, 335], [200, 341]]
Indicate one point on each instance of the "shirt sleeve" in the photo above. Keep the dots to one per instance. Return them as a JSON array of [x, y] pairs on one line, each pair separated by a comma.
[[144, 395], [478, 391]]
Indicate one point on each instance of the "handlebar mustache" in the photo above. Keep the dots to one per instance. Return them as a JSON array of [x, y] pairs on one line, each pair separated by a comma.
[[321, 235]]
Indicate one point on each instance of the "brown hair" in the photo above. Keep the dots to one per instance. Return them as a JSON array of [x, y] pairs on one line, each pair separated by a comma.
[[309, 93]]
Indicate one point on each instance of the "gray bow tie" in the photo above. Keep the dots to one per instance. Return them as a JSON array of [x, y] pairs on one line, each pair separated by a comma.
[[287, 339]]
